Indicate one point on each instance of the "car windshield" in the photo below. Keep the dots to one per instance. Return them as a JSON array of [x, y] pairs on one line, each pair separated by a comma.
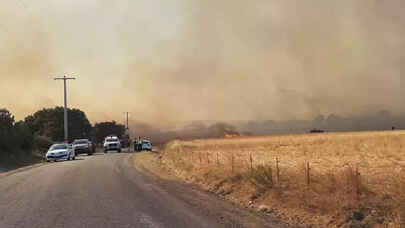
[[58, 147], [83, 141], [111, 140]]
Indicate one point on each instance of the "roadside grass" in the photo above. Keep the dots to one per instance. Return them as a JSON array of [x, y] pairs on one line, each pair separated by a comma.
[[147, 161], [321, 180]]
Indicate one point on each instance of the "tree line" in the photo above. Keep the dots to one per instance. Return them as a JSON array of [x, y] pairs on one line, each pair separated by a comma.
[[45, 127], [381, 120]]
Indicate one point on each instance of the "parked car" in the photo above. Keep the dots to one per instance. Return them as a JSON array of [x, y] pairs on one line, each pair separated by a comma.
[[60, 152], [112, 143], [142, 144], [83, 146], [146, 145]]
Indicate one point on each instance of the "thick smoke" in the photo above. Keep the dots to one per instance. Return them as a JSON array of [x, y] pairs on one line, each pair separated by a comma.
[[170, 62]]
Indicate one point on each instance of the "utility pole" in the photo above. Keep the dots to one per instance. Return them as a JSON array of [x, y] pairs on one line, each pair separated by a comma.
[[127, 114], [127, 131], [65, 122]]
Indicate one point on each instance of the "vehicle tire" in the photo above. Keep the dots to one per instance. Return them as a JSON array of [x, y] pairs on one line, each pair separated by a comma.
[[48, 160], [105, 151], [89, 154], [74, 158], [119, 151]]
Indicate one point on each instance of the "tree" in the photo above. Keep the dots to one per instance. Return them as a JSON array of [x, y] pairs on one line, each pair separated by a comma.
[[14, 137], [318, 122], [6, 120], [6, 127], [334, 122], [103, 129], [49, 123], [22, 137]]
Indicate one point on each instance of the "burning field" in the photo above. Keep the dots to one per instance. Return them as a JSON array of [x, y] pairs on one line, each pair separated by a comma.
[[320, 180]]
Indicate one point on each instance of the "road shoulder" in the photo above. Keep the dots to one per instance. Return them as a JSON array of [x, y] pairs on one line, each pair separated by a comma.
[[22, 169], [150, 164]]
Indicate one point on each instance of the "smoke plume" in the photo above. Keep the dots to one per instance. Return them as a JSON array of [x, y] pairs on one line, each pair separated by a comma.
[[170, 62]]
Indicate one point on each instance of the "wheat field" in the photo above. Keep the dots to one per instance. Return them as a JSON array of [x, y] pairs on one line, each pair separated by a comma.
[[308, 179]]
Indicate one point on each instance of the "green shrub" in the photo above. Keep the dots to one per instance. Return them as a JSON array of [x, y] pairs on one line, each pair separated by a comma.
[[22, 137], [42, 143]]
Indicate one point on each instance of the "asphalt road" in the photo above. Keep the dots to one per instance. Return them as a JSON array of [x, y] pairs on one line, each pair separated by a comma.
[[105, 191]]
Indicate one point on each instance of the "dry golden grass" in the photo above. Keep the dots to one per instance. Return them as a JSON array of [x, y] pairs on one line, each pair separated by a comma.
[[347, 172]]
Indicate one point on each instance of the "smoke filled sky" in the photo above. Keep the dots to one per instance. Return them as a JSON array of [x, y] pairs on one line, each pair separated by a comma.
[[184, 60]]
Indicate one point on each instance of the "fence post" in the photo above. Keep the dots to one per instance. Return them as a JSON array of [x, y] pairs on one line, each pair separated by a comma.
[[160, 159], [232, 162], [192, 158], [357, 184], [308, 176], [251, 163], [178, 155], [277, 170]]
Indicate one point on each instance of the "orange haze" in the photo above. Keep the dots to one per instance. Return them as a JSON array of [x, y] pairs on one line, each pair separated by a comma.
[[174, 61]]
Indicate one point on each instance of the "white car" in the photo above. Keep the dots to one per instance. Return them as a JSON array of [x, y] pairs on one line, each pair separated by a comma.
[[112, 143], [60, 152], [146, 145]]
